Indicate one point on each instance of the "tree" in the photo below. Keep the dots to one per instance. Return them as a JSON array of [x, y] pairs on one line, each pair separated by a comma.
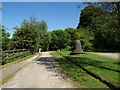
[[44, 36], [106, 32], [46, 40], [82, 35], [60, 39], [5, 39], [108, 6], [104, 25], [88, 14], [43, 26], [73, 33], [63, 39], [32, 35], [26, 37]]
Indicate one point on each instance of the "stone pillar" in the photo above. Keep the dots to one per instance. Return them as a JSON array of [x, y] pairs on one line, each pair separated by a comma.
[[77, 50]]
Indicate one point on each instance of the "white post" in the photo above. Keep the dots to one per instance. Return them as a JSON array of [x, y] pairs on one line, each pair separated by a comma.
[[39, 50]]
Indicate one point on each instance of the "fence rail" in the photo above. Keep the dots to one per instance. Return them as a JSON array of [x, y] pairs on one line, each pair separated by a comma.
[[10, 55]]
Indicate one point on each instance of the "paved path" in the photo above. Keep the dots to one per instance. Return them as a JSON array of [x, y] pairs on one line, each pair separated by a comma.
[[7, 71], [110, 55], [41, 73]]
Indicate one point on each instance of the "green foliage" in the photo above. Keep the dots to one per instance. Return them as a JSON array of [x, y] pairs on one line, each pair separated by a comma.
[[98, 30], [86, 39], [108, 31], [80, 34], [68, 48], [43, 26], [60, 39], [5, 39], [44, 37], [103, 26], [63, 39], [45, 40], [25, 37], [88, 14], [32, 35], [73, 34], [107, 6], [111, 7]]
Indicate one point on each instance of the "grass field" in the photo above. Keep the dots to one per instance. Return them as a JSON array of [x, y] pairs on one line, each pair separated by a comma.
[[101, 66]]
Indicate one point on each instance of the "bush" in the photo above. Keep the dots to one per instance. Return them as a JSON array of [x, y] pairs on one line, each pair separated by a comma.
[[68, 48]]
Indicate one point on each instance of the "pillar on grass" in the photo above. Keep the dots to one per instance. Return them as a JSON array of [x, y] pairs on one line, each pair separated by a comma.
[[77, 50]]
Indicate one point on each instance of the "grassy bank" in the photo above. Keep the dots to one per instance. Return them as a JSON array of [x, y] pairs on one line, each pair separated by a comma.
[[18, 60], [101, 66], [76, 74]]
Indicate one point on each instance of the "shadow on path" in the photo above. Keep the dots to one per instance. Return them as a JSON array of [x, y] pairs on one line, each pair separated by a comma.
[[49, 63]]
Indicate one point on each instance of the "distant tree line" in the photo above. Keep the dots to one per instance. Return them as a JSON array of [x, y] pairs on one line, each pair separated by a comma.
[[63, 39], [31, 35], [98, 30]]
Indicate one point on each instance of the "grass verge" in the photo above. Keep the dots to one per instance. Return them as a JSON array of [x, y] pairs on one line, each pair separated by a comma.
[[17, 61], [5, 80], [101, 66], [77, 75]]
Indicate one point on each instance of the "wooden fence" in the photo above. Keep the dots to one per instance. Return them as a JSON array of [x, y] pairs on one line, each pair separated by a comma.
[[11, 55]]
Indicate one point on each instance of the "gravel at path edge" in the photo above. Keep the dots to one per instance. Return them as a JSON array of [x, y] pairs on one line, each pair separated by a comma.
[[38, 74]]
